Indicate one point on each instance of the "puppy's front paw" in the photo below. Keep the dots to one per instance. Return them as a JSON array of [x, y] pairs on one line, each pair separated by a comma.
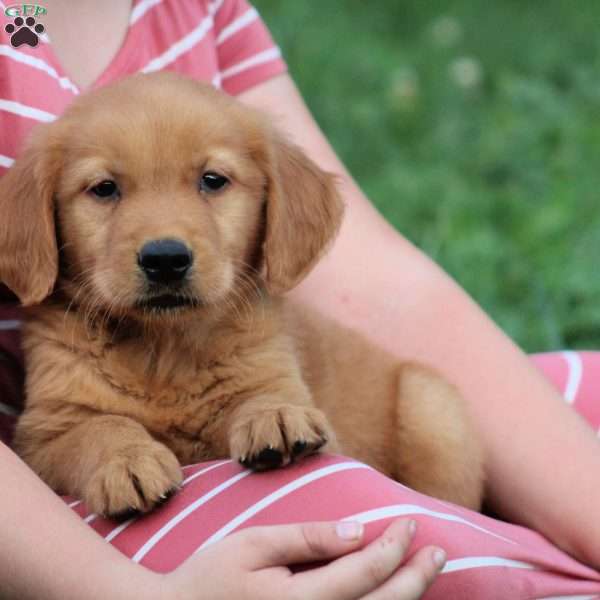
[[267, 438], [134, 480]]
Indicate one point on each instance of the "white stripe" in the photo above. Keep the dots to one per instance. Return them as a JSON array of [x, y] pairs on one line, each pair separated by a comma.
[[214, 7], [277, 495], [248, 17], [183, 45], [6, 161], [38, 63], [257, 59], [10, 325], [594, 597], [476, 562], [74, 504], [8, 410], [141, 9], [26, 111], [575, 370], [184, 513], [90, 518], [398, 510], [206, 470], [216, 81], [117, 530]]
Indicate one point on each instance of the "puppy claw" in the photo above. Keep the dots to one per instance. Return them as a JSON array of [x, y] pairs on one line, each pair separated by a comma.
[[302, 448], [277, 435], [168, 494], [124, 515], [298, 448], [135, 482], [266, 459]]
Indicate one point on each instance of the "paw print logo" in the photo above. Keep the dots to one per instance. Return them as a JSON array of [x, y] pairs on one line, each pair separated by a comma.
[[24, 31]]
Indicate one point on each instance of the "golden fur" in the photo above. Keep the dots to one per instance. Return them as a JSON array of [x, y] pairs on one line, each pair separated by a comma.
[[119, 395]]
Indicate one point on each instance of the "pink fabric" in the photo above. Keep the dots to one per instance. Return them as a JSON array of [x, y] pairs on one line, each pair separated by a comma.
[[577, 376], [223, 42], [487, 559]]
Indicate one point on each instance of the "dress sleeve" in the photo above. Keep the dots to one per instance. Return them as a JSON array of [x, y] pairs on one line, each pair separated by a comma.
[[246, 52]]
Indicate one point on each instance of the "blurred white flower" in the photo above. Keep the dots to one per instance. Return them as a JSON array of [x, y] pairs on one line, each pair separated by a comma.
[[466, 71], [446, 31], [404, 88]]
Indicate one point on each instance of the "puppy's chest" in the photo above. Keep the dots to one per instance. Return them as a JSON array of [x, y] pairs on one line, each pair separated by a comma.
[[182, 399]]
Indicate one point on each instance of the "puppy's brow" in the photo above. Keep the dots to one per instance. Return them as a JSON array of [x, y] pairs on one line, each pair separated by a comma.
[[84, 172], [229, 162]]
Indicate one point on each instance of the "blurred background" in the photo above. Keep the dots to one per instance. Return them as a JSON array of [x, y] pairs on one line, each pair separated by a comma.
[[474, 127]]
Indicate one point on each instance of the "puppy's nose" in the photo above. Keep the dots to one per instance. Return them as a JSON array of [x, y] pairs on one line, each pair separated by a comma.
[[164, 261]]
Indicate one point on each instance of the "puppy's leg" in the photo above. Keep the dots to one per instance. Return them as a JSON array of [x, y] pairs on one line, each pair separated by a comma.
[[273, 430], [111, 462], [437, 451]]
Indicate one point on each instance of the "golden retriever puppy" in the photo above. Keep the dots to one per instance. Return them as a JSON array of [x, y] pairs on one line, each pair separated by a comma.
[[152, 231]]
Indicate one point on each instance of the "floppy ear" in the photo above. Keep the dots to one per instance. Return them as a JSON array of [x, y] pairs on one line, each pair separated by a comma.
[[28, 252], [303, 214]]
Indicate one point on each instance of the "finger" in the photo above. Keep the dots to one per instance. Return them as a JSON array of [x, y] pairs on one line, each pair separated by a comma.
[[304, 542], [414, 578], [361, 572]]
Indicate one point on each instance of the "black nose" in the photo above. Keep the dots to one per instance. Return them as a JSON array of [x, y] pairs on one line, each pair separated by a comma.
[[164, 261]]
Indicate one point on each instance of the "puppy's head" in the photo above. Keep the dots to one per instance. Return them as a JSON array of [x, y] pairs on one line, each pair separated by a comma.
[[157, 195]]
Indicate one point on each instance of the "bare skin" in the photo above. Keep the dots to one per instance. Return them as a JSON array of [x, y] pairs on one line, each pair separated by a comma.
[[86, 35]]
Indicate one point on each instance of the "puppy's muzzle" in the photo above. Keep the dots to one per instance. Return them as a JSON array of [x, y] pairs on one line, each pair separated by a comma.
[[165, 261]]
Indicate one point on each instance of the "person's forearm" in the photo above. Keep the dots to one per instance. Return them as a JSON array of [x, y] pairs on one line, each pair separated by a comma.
[[47, 552], [541, 457]]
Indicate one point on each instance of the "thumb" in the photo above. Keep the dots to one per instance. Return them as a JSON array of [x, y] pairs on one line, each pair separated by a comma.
[[303, 542]]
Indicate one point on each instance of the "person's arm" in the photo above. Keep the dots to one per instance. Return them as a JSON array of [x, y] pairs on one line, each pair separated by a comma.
[[47, 551], [541, 457]]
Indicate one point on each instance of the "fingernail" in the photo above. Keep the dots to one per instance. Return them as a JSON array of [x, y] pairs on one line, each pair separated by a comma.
[[349, 530], [439, 558], [412, 528]]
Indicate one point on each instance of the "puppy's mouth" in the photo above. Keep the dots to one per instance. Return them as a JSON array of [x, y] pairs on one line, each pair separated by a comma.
[[167, 302]]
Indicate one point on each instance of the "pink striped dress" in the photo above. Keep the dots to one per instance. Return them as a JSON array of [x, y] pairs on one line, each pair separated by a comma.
[[224, 42]]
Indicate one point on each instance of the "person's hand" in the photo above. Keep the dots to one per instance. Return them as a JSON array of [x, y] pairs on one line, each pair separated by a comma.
[[253, 564]]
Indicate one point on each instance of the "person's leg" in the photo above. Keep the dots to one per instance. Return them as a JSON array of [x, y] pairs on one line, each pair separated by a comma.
[[487, 558], [576, 375]]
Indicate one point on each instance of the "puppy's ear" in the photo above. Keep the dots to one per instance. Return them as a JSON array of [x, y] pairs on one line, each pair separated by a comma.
[[303, 214], [28, 252]]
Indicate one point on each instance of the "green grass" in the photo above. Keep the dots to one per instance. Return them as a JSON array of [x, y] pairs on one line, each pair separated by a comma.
[[474, 127]]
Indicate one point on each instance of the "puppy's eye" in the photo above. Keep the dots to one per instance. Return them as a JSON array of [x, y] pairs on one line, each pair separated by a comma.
[[212, 182], [105, 189]]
